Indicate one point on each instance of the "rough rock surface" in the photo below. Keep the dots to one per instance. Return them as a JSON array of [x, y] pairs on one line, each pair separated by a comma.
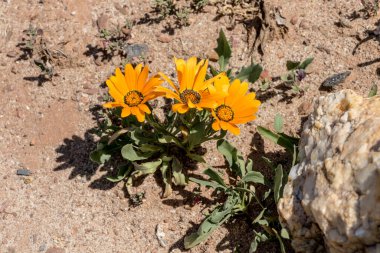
[[331, 202]]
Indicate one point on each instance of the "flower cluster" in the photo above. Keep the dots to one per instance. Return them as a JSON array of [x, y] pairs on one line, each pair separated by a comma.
[[228, 101]]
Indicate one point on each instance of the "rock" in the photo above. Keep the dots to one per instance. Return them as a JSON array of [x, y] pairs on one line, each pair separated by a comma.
[[305, 24], [102, 22], [160, 235], [213, 56], [12, 54], [136, 50], [23, 172], [294, 20], [331, 200], [304, 108], [121, 9], [164, 38], [126, 31], [55, 250]]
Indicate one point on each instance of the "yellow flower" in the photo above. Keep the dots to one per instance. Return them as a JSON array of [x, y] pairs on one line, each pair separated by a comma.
[[237, 108], [132, 90], [193, 91]]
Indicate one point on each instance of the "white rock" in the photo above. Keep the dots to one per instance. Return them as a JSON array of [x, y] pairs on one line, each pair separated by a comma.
[[331, 202]]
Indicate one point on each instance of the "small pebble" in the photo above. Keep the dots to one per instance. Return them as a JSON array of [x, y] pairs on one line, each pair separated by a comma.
[[24, 172], [164, 38]]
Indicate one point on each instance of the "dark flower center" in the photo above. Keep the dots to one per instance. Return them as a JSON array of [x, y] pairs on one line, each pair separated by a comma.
[[224, 113], [133, 98], [190, 95]]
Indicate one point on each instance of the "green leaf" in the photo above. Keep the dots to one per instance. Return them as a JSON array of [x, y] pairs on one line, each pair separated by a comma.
[[373, 91], [205, 183], [254, 177], [278, 179], [149, 148], [259, 237], [290, 65], [306, 63], [129, 153], [215, 177], [219, 215], [196, 135], [179, 177], [251, 73], [223, 50], [167, 178], [284, 233], [123, 171], [196, 157], [278, 123], [117, 135], [233, 157], [148, 167], [249, 165], [276, 138], [282, 246], [261, 214], [99, 156]]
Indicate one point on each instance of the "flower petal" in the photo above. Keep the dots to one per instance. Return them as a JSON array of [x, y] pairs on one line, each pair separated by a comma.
[[167, 79], [180, 108], [144, 108], [200, 75], [142, 77], [130, 77], [215, 125], [119, 82], [230, 127], [138, 113], [168, 93], [126, 112], [112, 105]]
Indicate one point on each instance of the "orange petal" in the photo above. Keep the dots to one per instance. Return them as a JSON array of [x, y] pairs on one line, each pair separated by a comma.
[[216, 125], [230, 127], [236, 91], [138, 113], [142, 77], [242, 120], [130, 77], [167, 79], [168, 93], [201, 75], [111, 105], [126, 112], [114, 92], [144, 108], [180, 108], [119, 82]]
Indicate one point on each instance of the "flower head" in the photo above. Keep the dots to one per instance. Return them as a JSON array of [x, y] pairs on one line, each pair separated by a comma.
[[132, 90], [237, 108], [193, 91]]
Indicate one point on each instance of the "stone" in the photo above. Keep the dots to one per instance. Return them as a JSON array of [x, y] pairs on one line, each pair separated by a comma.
[[12, 54], [102, 22], [213, 56], [164, 38], [294, 20], [55, 250], [331, 200]]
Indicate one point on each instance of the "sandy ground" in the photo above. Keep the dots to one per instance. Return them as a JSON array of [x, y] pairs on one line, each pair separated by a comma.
[[66, 205]]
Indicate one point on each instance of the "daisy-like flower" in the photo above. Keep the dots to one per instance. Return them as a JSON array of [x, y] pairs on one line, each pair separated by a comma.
[[237, 108], [132, 90], [193, 91]]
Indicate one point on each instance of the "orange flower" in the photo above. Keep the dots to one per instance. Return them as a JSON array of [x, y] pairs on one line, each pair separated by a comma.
[[132, 90], [193, 91], [237, 108]]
